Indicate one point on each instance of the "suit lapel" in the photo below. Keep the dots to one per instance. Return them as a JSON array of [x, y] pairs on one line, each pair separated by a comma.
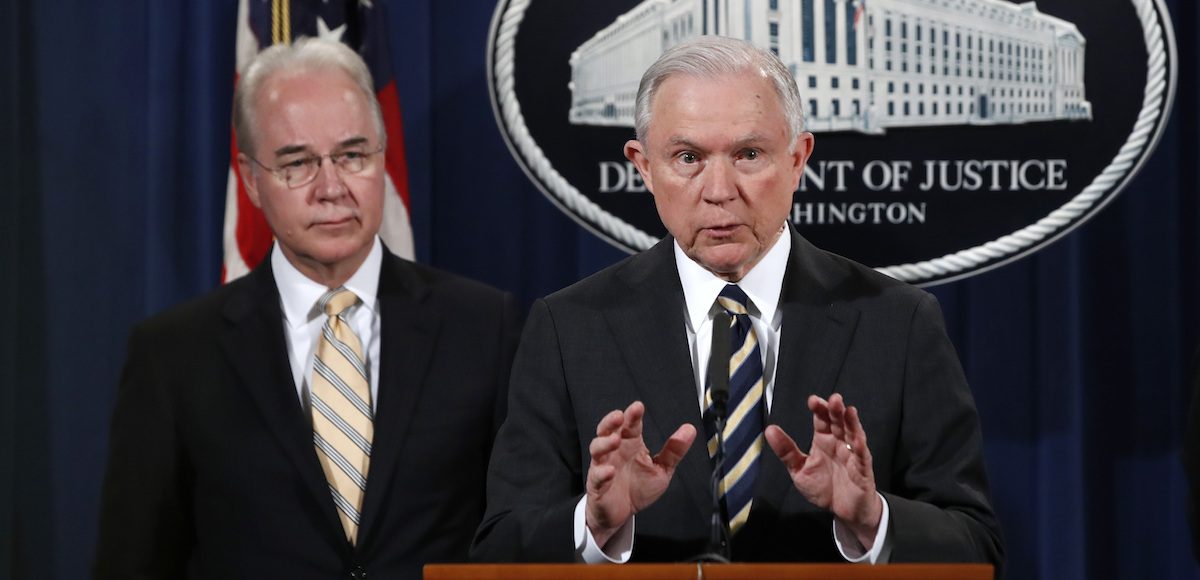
[[816, 333], [255, 345], [648, 327], [408, 332]]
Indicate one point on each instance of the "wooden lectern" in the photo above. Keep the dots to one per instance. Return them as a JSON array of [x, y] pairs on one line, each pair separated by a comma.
[[708, 572]]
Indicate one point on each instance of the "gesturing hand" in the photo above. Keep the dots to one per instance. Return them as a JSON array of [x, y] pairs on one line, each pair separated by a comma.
[[623, 479], [836, 473]]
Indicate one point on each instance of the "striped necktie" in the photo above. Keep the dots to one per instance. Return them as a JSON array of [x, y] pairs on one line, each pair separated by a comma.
[[341, 409], [743, 433]]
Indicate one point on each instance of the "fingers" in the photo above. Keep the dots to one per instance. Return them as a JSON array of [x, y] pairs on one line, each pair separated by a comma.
[[841, 421], [603, 445], [620, 426], [856, 436], [599, 475], [607, 436], [837, 417], [616, 427], [820, 411], [610, 423], [632, 427], [676, 446], [785, 447], [627, 423]]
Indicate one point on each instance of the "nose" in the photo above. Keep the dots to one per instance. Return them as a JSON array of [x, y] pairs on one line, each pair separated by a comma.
[[720, 181], [329, 184]]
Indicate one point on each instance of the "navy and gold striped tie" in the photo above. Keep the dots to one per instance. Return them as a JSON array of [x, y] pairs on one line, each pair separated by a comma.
[[743, 433], [341, 409]]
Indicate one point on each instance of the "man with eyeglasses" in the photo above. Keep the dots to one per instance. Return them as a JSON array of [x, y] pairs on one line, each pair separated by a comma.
[[331, 414]]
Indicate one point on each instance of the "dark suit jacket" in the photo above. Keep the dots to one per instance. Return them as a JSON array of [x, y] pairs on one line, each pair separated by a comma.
[[619, 336], [212, 472], [1191, 456]]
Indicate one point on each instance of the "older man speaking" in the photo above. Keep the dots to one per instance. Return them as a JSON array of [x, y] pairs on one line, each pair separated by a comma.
[[854, 365]]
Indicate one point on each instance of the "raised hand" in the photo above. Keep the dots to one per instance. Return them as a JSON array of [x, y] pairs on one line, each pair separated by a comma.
[[623, 479], [836, 472]]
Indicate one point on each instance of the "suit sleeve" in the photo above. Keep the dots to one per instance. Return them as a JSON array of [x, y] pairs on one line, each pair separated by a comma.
[[939, 503], [145, 523], [535, 476]]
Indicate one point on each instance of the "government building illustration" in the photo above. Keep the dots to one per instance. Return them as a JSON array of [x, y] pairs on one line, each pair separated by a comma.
[[862, 65]]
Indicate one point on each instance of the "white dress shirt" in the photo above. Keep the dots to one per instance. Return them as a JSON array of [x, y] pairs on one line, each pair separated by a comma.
[[763, 285], [302, 319]]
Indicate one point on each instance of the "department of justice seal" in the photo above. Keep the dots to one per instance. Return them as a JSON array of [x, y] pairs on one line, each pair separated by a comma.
[[953, 136]]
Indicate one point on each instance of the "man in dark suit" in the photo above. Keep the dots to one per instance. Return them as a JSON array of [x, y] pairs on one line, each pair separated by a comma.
[[612, 367], [331, 414]]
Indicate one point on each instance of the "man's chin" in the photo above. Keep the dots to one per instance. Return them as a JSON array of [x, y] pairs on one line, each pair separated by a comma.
[[333, 250], [727, 261]]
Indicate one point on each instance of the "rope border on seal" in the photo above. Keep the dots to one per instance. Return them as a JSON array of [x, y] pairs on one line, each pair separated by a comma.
[[527, 152], [1157, 99]]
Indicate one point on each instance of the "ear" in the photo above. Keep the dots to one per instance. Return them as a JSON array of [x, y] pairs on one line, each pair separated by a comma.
[[802, 150], [636, 153], [246, 173]]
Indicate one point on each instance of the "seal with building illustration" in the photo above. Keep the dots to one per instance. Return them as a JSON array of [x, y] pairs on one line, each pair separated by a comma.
[[952, 136]]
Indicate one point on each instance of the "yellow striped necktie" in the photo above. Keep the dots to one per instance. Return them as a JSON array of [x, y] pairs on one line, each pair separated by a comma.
[[743, 432], [341, 409]]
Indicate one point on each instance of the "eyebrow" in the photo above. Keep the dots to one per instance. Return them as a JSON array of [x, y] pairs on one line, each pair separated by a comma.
[[290, 150], [293, 149], [352, 142], [677, 140]]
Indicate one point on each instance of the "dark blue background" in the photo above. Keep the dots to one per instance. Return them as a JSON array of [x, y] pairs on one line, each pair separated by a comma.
[[114, 158]]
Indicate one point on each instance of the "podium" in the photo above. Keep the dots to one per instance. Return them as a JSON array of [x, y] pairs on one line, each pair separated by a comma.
[[708, 572]]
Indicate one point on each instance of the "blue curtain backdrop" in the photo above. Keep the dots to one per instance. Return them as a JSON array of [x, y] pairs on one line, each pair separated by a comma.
[[114, 152]]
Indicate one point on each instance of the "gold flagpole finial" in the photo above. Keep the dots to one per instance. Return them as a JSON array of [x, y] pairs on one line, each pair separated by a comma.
[[281, 22]]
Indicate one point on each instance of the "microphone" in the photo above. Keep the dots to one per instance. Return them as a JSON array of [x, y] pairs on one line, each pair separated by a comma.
[[718, 388]]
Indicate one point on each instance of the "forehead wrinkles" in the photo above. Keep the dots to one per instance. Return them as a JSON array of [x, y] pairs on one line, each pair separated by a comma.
[[712, 126], [734, 141]]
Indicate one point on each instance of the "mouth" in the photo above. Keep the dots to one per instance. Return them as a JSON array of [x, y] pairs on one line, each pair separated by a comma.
[[720, 230], [333, 221]]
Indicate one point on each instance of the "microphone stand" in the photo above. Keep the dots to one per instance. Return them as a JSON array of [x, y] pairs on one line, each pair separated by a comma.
[[718, 550]]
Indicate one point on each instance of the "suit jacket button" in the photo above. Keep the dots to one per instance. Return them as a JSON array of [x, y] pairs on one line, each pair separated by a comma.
[[358, 572]]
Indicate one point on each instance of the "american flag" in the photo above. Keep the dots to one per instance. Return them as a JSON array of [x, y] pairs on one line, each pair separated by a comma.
[[360, 24], [859, 7]]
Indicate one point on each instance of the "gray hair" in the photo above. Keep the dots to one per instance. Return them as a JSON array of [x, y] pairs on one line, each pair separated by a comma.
[[304, 55], [716, 56]]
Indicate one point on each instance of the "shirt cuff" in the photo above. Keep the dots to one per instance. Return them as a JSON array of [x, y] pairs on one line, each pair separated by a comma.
[[852, 550], [619, 547]]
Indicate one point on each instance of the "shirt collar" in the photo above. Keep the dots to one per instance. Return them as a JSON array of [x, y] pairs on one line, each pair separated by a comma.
[[299, 293], [762, 284]]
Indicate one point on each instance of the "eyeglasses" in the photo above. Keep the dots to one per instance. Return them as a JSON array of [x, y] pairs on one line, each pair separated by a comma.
[[302, 171]]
